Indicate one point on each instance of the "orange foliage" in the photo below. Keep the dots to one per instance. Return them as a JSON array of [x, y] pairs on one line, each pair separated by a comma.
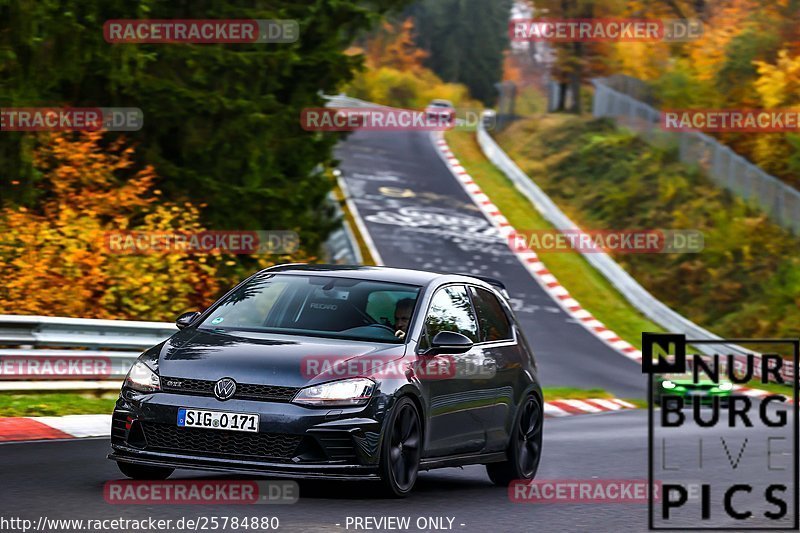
[[54, 259], [393, 47]]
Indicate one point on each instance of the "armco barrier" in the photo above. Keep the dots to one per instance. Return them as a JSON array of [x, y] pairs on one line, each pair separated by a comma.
[[721, 164], [38, 343], [642, 300]]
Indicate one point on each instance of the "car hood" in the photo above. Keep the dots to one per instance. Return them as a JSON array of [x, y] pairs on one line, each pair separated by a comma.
[[265, 359]]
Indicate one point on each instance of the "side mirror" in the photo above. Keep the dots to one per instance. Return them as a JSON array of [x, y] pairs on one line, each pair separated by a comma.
[[186, 319], [449, 342]]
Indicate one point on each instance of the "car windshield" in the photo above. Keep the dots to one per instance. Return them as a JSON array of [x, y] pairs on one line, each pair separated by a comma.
[[321, 306]]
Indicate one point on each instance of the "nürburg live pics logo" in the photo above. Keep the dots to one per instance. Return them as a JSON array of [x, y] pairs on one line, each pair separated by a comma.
[[722, 433]]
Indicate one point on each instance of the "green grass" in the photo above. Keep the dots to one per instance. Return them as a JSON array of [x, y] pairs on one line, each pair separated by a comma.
[[584, 283], [571, 393], [56, 404], [530, 102]]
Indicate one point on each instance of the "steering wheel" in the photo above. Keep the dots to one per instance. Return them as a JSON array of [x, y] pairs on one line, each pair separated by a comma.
[[369, 321], [379, 325]]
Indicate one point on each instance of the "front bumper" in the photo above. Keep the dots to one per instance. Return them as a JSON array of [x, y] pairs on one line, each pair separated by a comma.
[[293, 441], [280, 470]]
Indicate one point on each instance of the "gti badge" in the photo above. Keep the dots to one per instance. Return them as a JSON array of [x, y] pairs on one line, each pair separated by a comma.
[[224, 388]]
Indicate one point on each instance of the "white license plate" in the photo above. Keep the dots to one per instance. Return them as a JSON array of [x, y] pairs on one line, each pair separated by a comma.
[[697, 393], [200, 418]]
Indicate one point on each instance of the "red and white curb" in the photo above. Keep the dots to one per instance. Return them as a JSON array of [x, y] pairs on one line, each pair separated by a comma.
[[54, 427], [558, 408], [80, 426], [758, 393], [530, 260]]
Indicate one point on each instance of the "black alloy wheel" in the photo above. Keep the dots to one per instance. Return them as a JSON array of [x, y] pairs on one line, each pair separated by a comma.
[[525, 448], [402, 449]]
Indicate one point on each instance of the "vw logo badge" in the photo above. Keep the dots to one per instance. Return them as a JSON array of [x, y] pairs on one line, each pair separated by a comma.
[[224, 389]]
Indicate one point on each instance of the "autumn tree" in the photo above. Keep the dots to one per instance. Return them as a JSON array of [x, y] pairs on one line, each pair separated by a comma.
[[395, 73], [56, 258]]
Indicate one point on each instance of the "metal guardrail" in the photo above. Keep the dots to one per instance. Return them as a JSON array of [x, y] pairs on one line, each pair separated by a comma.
[[637, 295], [341, 100], [341, 246], [722, 165], [54, 353], [41, 331]]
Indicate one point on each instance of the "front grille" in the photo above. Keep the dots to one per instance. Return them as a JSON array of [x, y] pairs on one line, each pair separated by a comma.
[[250, 390], [244, 391], [220, 443]]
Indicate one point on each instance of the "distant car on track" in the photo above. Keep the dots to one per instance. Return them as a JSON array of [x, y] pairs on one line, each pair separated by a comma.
[[684, 386], [338, 372], [441, 111]]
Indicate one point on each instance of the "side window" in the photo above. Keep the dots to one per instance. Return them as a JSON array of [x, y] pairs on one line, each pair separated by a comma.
[[450, 310], [492, 320]]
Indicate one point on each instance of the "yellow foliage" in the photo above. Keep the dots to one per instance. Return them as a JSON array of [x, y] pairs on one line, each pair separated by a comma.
[[646, 61], [779, 85], [727, 19], [395, 74], [406, 89]]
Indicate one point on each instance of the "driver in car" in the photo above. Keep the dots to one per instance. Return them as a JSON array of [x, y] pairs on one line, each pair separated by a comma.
[[402, 316]]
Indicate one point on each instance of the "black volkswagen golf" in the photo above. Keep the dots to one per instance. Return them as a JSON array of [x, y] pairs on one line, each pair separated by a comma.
[[339, 373]]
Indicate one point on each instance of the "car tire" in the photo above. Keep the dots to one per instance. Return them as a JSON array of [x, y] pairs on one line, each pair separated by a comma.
[[144, 472], [401, 449], [525, 447]]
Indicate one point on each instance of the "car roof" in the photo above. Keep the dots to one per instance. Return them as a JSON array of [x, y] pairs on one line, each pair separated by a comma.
[[441, 102], [379, 273]]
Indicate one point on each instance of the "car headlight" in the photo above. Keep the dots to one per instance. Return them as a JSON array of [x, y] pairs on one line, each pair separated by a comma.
[[347, 392], [667, 384], [141, 378], [726, 385]]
